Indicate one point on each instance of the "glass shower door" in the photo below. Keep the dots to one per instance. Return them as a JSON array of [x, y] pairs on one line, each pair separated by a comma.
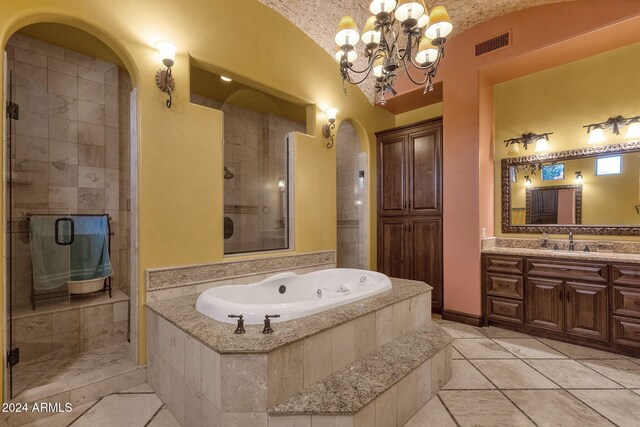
[[39, 233]]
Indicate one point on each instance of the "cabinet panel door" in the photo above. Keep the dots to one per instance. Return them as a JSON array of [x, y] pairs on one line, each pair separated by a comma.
[[392, 175], [425, 251], [425, 171], [391, 247], [544, 305], [587, 313]]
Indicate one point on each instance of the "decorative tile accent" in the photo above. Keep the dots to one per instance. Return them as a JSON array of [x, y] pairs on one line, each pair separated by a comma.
[[174, 277]]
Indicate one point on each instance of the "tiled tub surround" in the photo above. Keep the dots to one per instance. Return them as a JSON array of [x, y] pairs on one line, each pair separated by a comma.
[[207, 375], [71, 146], [45, 338], [171, 282]]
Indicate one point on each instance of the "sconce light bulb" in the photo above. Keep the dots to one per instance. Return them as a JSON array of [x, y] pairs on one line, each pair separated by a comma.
[[596, 136], [331, 114], [167, 53], [541, 145], [633, 131], [514, 148]]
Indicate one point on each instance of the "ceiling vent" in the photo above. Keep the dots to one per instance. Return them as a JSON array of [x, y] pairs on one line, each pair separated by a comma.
[[495, 43]]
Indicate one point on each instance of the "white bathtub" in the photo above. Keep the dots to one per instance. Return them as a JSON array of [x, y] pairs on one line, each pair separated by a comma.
[[303, 295]]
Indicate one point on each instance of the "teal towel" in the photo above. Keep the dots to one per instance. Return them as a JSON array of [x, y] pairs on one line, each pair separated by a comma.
[[86, 258], [50, 261], [90, 250]]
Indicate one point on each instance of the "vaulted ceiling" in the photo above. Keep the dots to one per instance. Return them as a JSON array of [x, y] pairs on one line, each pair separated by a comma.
[[319, 18]]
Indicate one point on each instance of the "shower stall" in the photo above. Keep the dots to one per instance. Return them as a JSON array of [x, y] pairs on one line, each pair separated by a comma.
[[66, 162]]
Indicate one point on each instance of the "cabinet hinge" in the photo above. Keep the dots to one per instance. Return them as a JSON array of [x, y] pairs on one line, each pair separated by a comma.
[[13, 357], [13, 110]]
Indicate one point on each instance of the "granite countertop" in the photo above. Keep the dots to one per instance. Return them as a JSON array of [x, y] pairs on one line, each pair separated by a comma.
[[573, 255], [220, 336], [348, 390]]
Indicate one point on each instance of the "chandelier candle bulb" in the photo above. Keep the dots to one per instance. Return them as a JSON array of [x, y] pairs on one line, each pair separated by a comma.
[[427, 52], [439, 24], [347, 32], [408, 12], [370, 36], [352, 55]]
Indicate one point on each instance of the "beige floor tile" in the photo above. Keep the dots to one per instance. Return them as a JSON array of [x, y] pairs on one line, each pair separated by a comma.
[[481, 349], [571, 374], [142, 388], [432, 414], [512, 374], [467, 377], [458, 330], [164, 418], [579, 352], [620, 406], [621, 371], [555, 408], [529, 348], [483, 408], [455, 354], [121, 410], [494, 332]]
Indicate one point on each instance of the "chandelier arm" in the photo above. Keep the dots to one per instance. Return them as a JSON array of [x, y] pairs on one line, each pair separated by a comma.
[[406, 68], [368, 71]]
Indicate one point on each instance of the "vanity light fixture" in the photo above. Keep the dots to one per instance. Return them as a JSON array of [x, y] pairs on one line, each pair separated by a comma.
[[164, 79], [328, 127], [527, 181], [596, 130], [392, 24], [541, 140], [579, 177]]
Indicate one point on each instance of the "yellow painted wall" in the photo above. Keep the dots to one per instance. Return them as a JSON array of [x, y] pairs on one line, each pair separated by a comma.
[[562, 100], [419, 114], [180, 149]]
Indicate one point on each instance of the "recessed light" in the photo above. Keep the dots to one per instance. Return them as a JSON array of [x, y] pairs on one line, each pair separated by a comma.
[[225, 79]]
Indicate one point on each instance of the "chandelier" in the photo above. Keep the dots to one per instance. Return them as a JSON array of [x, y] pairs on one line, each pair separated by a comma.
[[392, 24]]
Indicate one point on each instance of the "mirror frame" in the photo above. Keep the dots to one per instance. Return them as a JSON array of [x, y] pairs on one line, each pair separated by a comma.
[[580, 153]]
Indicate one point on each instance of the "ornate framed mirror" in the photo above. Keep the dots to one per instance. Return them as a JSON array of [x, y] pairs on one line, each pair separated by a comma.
[[593, 190]]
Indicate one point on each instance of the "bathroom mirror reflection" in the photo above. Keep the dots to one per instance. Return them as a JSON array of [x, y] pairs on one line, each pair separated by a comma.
[[596, 189], [256, 175]]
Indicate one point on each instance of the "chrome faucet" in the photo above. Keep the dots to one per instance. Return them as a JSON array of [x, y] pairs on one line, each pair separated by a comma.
[[571, 246]]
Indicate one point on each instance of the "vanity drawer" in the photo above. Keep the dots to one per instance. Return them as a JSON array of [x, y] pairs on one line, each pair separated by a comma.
[[626, 331], [505, 310], [568, 270], [505, 286], [626, 301], [504, 264], [625, 275]]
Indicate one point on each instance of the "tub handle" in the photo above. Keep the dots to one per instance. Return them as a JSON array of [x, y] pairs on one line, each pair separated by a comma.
[[240, 328], [267, 323]]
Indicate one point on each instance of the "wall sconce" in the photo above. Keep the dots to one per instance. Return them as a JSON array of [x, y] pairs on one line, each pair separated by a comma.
[[541, 140], [328, 127], [596, 130], [164, 79], [527, 181]]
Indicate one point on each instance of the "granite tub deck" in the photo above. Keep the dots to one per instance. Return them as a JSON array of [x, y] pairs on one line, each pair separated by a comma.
[[207, 375]]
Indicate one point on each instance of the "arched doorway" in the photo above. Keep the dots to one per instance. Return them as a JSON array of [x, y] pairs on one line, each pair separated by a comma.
[[352, 199]]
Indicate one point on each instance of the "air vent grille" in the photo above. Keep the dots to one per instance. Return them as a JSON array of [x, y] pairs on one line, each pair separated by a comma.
[[495, 43]]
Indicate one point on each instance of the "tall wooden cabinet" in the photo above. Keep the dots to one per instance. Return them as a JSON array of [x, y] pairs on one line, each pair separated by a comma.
[[410, 204]]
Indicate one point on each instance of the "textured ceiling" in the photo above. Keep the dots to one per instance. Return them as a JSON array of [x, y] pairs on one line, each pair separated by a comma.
[[319, 18]]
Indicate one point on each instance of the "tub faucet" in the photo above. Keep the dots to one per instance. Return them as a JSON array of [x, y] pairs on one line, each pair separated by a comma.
[[240, 328], [571, 245], [267, 323]]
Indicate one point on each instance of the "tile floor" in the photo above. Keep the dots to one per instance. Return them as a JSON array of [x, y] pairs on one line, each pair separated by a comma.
[[504, 378], [500, 378]]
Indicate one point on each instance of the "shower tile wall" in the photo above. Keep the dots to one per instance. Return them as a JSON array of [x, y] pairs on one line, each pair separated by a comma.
[[69, 151], [351, 200], [254, 153]]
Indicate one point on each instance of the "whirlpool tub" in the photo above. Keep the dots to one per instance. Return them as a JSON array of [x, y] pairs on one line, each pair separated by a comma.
[[291, 295]]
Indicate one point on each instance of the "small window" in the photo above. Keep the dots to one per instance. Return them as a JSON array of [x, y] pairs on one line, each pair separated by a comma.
[[611, 165], [553, 172]]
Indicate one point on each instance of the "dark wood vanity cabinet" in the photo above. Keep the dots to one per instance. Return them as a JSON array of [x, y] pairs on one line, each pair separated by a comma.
[[410, 204], [589, 303]]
